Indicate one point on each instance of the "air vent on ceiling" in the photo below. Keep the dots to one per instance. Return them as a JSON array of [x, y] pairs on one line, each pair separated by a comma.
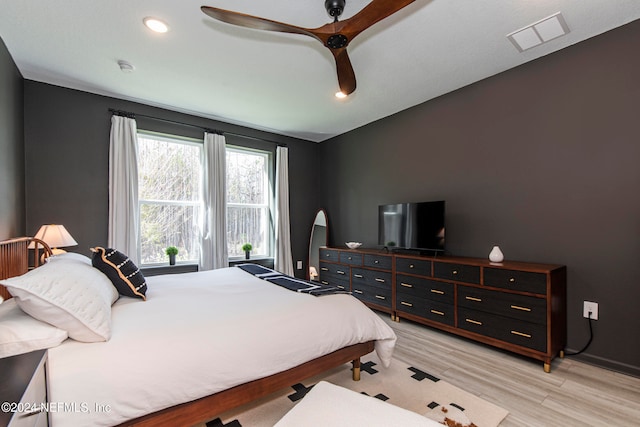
[[539, 32]]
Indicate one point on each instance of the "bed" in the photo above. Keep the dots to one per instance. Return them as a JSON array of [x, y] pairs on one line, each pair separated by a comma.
[[200, 344]]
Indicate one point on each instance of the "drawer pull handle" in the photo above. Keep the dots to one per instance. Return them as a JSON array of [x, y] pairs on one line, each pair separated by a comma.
[[512, 280], [474, 299], [437, 291], [454, 272], [521, 334], [339, 271], [324, 269], [358, 276], [376, 262], [358, 291], [380, 297], [324, 282], [410, 265], [408, 304], [327, 255], [517, 307], [349, 258], [380, 280], [406, 285], [439, 313], [475, 322]]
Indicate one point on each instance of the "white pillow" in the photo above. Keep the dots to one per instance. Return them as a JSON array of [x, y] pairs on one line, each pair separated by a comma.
[[70, 256], [21, 333], [70, 295]]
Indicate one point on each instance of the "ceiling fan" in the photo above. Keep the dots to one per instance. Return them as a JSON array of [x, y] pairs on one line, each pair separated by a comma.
[[335, 35]]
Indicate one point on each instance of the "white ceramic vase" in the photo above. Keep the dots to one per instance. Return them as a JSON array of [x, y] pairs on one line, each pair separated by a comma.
[[496, 255]]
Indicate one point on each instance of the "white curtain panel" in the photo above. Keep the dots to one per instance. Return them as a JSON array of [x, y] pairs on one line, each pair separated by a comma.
[[123, 187], [213, 250], [283, 259]]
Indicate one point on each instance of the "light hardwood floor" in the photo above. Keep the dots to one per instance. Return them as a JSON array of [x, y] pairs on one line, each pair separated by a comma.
[[573, 394]]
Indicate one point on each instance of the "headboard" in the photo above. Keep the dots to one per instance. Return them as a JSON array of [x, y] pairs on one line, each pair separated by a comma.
[[16, 258]]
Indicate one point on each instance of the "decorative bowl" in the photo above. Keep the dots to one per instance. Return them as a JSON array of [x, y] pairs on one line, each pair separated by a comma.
[[353, 245]]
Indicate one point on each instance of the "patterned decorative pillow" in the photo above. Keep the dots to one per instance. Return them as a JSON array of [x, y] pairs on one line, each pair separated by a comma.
[[123, 273]]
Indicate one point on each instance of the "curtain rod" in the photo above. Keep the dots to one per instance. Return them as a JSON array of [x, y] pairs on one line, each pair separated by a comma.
[[206, 129]]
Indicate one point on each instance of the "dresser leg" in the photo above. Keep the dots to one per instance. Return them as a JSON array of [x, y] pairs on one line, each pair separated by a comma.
[[356, 369], [547, 367], [561, 354]]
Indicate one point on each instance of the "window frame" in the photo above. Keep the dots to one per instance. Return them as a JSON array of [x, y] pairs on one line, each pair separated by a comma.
[[199, 203], [269, 169]]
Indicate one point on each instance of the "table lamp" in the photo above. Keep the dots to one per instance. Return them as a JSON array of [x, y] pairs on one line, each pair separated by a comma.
[[56, 236]]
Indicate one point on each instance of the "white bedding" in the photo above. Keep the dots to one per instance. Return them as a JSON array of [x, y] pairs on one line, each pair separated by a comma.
[[208, 332]]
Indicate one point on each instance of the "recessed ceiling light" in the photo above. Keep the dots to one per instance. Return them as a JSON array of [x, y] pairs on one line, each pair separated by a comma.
[[539, 32], [155, 24]]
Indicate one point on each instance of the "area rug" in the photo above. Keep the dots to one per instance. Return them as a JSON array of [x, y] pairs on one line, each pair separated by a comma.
[[406, 386]]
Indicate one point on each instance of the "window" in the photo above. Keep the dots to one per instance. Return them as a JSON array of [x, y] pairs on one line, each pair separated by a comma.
[[169, 177], [169, 190], [249, 202]]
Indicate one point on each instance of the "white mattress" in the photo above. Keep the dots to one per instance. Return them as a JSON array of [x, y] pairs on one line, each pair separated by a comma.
[[197, 334]]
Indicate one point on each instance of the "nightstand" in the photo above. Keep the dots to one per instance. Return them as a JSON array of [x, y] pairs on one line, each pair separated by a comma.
[[23, 384]]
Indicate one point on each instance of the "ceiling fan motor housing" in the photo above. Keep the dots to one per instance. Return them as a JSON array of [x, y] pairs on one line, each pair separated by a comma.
[[334, 7]]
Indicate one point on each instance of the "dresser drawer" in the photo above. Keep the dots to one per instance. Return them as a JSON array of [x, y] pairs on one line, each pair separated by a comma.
[[513, 331], [334, 275], [382, 262], [524, 281], [433, 290], [420, 267], [375, 295], [350, 258], [371, 278], [457, 272], [427, 309], [522, 307], [329, 255]]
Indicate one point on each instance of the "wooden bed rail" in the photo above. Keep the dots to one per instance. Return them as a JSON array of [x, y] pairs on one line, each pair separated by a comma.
[[206, 408], [19, 255]]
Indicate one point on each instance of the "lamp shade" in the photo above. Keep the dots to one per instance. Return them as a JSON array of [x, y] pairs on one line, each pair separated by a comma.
[[55, 235]]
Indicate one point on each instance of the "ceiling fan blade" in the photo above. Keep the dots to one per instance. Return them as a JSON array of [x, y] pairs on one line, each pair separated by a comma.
[[346, 75], [254, 22], [374, 12]]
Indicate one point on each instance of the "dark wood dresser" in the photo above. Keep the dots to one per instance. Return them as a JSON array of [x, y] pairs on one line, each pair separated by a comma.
[[516, 306]]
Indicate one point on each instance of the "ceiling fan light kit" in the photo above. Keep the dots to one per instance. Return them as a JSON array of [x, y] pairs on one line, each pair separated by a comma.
[[335, 36]]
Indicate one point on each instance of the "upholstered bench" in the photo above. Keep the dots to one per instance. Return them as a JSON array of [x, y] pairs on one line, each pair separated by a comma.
[[330, 405]]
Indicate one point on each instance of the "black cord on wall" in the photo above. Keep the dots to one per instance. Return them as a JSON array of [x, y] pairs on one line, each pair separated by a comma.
[[588, 342]]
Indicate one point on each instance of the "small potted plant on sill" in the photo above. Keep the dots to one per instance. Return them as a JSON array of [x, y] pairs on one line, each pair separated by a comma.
[[172, 251], [247, 250]]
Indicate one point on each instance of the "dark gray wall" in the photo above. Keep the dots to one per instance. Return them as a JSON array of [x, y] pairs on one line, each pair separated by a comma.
[[67, 158], [541, 160], [12, 210]]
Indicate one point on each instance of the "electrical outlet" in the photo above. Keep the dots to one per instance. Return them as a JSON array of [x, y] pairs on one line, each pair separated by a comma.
[[299, 265], [590, 307]]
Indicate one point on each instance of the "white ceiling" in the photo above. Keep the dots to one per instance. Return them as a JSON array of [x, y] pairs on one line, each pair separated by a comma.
[[283, 83]]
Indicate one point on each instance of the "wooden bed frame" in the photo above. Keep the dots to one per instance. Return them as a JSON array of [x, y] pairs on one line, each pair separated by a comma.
[[15, 260]]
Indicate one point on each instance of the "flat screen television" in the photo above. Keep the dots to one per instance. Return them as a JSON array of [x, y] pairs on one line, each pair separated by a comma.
[[412, 226]]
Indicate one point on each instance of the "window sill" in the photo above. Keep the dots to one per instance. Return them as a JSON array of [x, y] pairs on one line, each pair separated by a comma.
[[155, 270], [264, 261]]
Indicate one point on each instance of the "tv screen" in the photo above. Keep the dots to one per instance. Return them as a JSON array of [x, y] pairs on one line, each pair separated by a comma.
[[418, 226]]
